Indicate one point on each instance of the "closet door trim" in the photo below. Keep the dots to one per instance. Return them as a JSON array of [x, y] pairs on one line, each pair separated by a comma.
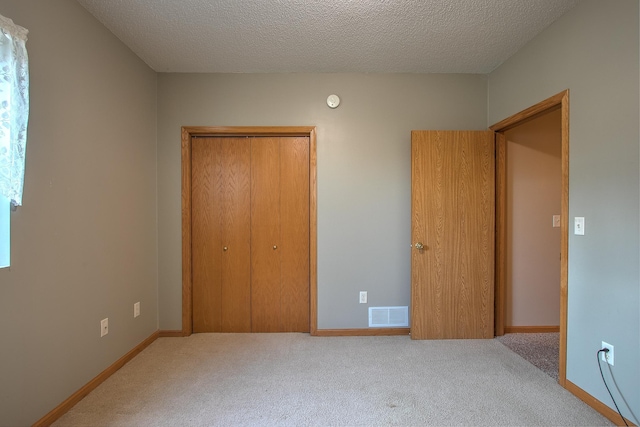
[[188, 132]]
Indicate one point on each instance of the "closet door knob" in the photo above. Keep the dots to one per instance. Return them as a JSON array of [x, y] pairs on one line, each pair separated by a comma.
[[275, 247], [419, 246], [225, 248]]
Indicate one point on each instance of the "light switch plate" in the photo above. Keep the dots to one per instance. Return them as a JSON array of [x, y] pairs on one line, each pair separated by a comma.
[[579, 226], [556, 221]]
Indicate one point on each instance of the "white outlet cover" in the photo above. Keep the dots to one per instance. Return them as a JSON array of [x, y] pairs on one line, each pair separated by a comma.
[[104, 327], [363, 297], [607, 357], [136, 309]]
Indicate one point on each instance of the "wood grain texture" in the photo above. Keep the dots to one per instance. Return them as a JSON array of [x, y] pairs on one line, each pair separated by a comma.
[[560, 100], [453, 188], [187, 308], [265, 235], [564, 239], [206, 239], [188, 132], [313, 235], [294, 234], [530, 113], [372, 332], [249, 130], [501, 233], [603, 409], [235, 189], [422, 297], [76, 397], [530, 329], [220, 219]]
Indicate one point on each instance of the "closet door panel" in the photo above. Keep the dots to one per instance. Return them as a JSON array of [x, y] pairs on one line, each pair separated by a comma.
[[265, 235], [206, 199], [221, 234], [294, 218], [236, 231]]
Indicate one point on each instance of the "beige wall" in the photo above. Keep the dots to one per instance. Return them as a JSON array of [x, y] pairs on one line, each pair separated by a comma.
[[364, 169], [534, 184], [593, 50], [84, 243]]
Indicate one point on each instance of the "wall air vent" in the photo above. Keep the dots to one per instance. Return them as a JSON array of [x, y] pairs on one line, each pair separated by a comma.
[[388, 317]]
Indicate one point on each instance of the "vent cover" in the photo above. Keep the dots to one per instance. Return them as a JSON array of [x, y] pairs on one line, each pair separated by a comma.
[[381, 317]]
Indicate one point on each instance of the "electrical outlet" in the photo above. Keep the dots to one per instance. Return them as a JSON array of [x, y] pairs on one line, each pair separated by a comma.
[[104, 327], [607, 357], [136, 309], [363, 297]]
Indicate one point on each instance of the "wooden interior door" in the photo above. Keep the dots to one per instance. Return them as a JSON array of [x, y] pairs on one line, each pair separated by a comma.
[[221, 236], [452, 230]]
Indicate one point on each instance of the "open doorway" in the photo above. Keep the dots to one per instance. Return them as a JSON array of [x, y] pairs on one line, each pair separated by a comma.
[[533, 203], [514, 127], [534, 183]]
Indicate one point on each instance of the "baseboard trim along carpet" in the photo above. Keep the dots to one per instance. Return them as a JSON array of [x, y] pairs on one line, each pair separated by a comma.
[[530, 329], [364, 332], [76, 397], [170, 333], [613, 415], [372, 332]]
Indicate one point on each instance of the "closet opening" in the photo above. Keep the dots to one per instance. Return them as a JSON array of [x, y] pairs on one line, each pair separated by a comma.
[[249, 209]]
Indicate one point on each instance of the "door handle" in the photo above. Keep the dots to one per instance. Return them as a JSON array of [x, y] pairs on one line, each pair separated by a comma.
[[419, 246]]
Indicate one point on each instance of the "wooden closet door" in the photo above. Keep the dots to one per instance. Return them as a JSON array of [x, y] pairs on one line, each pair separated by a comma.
[[280, 234], [294, 233], [221, 234], [265, 235]]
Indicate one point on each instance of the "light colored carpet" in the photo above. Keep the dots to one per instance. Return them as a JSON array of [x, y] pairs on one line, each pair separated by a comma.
[[542, 350], [298, 380]]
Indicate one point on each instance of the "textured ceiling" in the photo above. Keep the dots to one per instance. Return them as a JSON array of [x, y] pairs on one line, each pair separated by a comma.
[[380, 36]]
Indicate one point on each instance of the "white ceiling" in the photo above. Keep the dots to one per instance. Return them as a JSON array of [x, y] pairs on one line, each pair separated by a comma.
[[379, 36]]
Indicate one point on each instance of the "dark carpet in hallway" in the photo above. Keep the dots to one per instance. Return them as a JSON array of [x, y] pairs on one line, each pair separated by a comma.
[[541, 350]]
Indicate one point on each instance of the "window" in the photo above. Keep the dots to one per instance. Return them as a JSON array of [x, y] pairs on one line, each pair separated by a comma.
[[14, 116]]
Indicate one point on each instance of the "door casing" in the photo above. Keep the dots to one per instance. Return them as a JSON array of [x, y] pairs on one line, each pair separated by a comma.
[[187, 281], [558, 101]]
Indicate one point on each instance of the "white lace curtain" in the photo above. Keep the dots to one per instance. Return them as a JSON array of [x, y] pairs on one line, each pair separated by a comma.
[[14, 108]]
